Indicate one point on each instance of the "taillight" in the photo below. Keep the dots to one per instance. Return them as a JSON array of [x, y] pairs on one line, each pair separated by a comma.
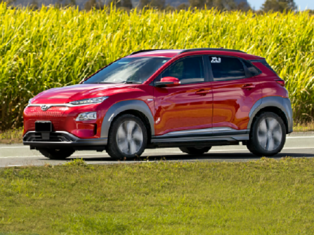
[[281, 82]]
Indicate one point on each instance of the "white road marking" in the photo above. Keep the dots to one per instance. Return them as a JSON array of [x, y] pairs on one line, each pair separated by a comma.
[[299, 137], [15, 147], [20, 157], [153, 154], [289, 148], [22, 147]]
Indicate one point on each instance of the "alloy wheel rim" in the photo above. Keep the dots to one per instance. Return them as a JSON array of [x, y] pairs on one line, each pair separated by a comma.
[[269, 134], [129, 137]]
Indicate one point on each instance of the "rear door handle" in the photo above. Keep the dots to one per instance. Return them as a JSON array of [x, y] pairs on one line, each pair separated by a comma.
[[202, 92], [248, 86]]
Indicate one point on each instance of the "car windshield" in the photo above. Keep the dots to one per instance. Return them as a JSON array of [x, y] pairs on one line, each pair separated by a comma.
[[128, 70]]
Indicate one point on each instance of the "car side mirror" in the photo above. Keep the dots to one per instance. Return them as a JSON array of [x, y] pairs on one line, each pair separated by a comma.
[[168, 82]]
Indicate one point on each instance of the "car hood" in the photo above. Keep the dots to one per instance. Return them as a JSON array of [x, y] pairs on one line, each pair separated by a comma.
[[77, 92]]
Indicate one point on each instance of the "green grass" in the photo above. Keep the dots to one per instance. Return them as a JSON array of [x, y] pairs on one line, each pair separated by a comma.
[[11, 136], [303, 127], [56, 47], [263, 197]]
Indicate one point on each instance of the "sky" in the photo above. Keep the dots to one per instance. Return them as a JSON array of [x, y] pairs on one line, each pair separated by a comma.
[[303, 4]]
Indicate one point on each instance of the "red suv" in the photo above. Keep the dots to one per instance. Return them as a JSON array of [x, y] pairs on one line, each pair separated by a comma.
[[192, 99]]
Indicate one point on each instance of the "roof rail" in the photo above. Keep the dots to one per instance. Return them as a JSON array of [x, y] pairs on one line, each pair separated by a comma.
[[210, 49], [136, 52]]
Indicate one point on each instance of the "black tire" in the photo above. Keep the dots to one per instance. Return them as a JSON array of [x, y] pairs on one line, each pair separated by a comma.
[[113, 148], [257, 145], [195, 151], [56, 153]]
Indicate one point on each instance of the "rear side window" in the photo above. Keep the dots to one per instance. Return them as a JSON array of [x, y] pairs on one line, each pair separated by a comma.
[[251, 68], [226, 68]]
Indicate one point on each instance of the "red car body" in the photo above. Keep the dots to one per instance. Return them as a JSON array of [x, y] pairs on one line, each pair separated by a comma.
[[210, 105]]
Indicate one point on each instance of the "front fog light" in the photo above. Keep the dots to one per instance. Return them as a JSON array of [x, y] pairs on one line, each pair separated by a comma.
[[87, 116]]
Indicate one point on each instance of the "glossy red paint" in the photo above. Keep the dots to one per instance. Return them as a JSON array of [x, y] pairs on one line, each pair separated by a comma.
[[233, 101], [183, 107], [63, 118], [170, 81], [269, 85]]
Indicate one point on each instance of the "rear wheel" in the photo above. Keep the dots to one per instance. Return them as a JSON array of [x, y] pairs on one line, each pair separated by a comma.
[[194, 150], [127, 137], [268, 135], [56, 153]]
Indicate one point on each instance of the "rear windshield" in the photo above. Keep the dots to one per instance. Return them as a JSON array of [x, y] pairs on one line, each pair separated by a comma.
[[128, 70]]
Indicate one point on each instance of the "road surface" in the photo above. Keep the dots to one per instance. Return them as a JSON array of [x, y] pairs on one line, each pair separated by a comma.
[[297, 145]]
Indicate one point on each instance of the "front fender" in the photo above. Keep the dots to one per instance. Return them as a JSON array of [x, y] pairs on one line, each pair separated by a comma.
[[117, 108]]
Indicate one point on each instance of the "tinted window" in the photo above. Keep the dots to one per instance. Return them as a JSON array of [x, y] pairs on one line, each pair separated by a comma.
[[128, 70], [225, 68], [187, 70], [251, 68]]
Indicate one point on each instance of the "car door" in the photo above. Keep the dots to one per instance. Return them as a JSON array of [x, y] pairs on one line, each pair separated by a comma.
[[187, 106], [235, 91]]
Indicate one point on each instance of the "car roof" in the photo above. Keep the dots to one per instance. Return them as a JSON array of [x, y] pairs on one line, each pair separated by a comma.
[[172, 53]]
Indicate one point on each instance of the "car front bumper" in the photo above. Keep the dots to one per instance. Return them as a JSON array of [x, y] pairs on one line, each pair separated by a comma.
[[62, 139]]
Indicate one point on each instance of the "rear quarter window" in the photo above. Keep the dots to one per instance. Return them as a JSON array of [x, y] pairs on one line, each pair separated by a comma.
[[251, 68]]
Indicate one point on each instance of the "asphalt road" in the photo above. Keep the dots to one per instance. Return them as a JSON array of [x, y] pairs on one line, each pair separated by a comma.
[[297, 145]]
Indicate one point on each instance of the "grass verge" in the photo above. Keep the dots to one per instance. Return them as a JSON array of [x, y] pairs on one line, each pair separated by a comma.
[[303, 127], [11, 136], [262, 197], [16, 135]]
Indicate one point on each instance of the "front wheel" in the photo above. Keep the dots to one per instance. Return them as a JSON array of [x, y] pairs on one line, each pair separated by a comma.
[[268, 135], [57, 154], [195, 151], [127, 137]]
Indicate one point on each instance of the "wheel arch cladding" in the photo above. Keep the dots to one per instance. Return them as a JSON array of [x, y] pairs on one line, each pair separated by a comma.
[[276, 104], [127, 106]]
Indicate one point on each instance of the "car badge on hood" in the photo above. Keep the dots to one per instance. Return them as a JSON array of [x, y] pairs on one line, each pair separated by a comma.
[[45, 107]]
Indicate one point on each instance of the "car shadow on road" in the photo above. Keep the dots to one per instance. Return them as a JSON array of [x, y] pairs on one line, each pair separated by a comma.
[[232, 157]]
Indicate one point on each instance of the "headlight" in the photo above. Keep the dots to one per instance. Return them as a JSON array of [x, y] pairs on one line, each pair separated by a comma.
[[89, 101], [86, 116], [30, 101]]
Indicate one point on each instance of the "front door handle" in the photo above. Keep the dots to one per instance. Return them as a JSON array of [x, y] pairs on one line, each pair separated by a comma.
[[202, 92], [248, 86]]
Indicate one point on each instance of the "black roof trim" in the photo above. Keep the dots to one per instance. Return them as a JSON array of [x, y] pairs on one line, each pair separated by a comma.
[[190, 50], [136, 52], [210, 49], [260, 60]]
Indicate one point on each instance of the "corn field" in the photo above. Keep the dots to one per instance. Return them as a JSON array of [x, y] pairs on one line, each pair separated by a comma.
[[57, 47]]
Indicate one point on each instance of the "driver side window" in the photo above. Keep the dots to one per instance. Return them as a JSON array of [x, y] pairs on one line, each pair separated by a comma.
[[188, 70]]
